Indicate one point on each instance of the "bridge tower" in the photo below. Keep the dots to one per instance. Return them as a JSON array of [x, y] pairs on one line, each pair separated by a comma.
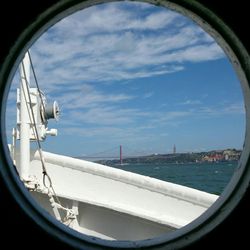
[[121, 154]]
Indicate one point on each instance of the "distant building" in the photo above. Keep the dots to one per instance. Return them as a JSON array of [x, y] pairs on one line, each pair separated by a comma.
[[174, 149], [231, 154], [222, 155], [213, 158]]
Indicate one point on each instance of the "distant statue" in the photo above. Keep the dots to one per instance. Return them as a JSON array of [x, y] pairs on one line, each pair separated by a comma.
[[174, 149]]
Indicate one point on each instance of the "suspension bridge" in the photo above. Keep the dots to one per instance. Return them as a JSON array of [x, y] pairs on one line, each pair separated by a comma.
[[119, 152]]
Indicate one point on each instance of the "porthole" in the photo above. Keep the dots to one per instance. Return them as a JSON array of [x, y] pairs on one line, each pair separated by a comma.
[[212, 216]]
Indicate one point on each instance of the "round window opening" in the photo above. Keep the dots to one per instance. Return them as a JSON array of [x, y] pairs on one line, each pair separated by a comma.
[[125, 122]]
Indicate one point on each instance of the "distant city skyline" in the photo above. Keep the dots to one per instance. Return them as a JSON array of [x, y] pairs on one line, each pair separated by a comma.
[[137, 75]]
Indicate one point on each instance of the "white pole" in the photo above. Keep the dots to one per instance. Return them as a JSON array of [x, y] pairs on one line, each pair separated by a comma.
[[24, 119], [14, 145]]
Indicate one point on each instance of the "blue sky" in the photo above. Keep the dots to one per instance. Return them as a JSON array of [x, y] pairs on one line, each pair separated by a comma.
[[136, 75]]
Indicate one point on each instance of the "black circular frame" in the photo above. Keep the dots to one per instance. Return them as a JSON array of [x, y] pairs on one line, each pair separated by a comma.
[[183, 237]]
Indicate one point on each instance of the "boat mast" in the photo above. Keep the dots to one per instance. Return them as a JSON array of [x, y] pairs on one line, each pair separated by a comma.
[[25, 122]]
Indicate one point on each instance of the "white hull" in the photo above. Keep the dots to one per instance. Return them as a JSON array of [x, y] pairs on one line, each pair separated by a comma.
[[114, 204]]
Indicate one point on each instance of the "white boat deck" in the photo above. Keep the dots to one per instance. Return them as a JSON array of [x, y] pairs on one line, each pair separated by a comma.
[[110, 194]]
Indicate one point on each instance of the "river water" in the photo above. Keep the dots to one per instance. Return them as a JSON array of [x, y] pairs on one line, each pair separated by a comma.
[[209, 177]]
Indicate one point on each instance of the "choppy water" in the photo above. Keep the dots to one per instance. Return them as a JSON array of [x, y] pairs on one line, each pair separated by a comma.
[[209, 177]]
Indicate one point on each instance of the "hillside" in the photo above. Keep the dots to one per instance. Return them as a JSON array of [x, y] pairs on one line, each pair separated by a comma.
[[210, 156]]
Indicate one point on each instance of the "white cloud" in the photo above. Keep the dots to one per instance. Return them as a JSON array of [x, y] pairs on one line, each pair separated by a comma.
[[113, 17], [191, 102], [148, 95], [109, 115], [234, 108], [107, 44], [94, 131], [140, 125], [86, 96], [220, 110], [114, 43]]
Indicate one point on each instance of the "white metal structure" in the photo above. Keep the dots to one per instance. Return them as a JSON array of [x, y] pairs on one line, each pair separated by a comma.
[[24, 119], [92, 198]]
